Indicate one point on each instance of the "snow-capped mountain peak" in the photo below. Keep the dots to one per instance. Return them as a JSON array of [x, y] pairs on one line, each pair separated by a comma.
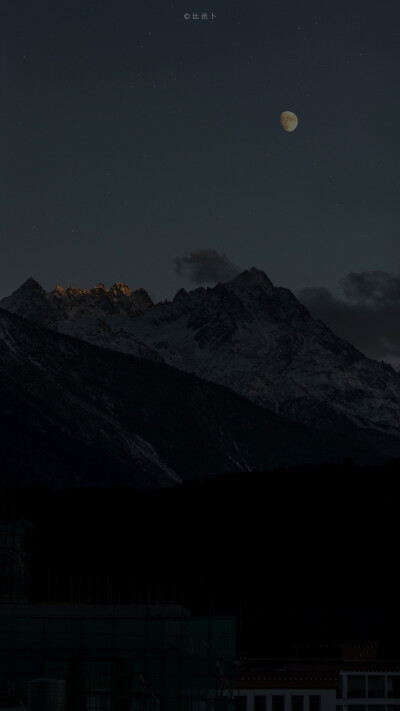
[[245, 334]]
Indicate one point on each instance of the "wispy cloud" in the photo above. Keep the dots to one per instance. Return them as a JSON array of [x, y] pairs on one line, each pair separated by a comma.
[[205, 266]]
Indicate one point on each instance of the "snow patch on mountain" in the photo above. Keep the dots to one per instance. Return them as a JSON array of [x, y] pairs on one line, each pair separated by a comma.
[[246, 334]]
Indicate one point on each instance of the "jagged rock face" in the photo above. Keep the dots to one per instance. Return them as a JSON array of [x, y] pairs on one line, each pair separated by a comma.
[[259, 341], [76, 415], [48, 309]]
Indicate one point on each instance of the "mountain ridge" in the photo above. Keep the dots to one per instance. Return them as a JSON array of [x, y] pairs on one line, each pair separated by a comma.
[[74, 414], [47, 308], [254, 338]]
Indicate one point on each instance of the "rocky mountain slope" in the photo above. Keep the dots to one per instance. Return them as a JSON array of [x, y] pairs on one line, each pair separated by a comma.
[[72, 414], [247, 335]]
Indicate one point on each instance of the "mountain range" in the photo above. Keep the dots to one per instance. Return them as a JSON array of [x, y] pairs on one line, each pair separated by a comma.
[[234, 377]]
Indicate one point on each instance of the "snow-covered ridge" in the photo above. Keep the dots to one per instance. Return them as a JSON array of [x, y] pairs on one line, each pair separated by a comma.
[[246, 334], [76, 415]]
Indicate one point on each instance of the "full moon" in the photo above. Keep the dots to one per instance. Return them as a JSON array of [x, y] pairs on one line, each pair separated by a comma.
[[289, 120]]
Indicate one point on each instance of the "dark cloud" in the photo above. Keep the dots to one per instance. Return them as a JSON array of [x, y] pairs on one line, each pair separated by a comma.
[[376, 288], [205, 266], [368, 316]]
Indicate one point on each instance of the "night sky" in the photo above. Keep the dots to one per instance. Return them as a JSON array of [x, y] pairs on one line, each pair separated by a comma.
[[138, 143]]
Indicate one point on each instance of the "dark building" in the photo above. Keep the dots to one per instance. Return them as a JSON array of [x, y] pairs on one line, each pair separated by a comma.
[[347, 677], [118, 657]]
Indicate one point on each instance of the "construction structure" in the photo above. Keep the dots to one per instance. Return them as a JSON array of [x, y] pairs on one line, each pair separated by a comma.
[[15, 553], [117, 657]]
